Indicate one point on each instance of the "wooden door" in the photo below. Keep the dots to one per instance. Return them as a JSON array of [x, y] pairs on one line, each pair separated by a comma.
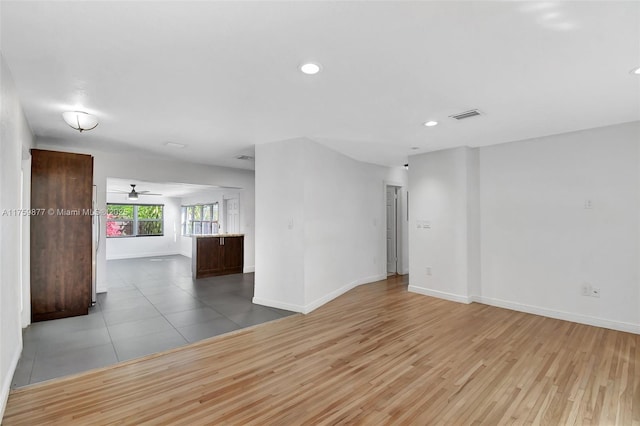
[[233, 254], [61, 240]]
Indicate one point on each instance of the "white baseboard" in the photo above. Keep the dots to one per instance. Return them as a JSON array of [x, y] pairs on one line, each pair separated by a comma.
[[440, 294], [329, 297], [322, 300], [561, 315], [248, 269], [6, 383], [143, 254], [277, 304]]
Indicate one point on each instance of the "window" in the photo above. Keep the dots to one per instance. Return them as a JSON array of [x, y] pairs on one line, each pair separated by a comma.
[[134, 220], [200, 219]]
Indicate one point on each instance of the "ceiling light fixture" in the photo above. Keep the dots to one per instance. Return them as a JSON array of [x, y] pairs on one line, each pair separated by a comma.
[[310, 68], [431, 123], [636, 71], [80, 120]]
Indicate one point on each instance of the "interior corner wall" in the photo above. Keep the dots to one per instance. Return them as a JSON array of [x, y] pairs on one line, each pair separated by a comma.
[[559, 213], [319, 219], [15, 137], [344, 202], [474, 224], [156, 169], [532, 224], [439, 246]]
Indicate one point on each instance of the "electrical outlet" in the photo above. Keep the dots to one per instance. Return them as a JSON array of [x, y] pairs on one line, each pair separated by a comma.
[[588, 204], [595, 292], [429, 270]]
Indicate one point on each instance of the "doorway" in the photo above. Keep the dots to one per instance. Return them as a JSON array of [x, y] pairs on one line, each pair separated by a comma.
[[232, 215], [392, 193]]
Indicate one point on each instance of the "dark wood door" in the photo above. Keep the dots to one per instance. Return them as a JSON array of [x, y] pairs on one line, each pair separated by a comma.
[[233, 254], [209, 256], [61, 253]]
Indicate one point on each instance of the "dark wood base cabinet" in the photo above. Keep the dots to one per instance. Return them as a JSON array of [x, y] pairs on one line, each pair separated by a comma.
[[217, 255], [61, 234]]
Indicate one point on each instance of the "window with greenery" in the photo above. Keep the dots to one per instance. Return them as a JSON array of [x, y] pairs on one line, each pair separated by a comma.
[[200, 219], [134, 220]]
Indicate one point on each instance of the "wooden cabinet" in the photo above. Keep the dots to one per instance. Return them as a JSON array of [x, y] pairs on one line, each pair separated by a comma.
[[217, 255], [61, 234]]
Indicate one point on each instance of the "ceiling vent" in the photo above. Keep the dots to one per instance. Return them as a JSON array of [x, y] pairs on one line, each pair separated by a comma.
[[466, 114], [244, 157]]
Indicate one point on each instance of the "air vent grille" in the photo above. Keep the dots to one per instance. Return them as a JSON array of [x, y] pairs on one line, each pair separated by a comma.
[[466, 114], [244, 157]]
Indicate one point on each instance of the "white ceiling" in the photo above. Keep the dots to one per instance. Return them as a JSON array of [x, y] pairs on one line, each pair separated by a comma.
[[221, 77], [165, 189]]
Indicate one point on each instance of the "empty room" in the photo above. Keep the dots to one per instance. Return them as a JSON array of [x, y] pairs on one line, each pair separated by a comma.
[[320, 212]]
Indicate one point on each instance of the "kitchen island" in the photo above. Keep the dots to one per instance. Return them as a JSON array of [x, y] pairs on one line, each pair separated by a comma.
[[219, 254]]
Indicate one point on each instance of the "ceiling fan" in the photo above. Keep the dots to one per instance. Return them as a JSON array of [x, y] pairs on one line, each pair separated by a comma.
[[134, 195]]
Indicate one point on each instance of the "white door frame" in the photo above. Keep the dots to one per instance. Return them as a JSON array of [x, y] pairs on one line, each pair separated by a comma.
[[399, 225]]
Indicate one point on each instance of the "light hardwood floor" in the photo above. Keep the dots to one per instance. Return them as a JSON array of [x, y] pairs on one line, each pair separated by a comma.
[[376, 355]]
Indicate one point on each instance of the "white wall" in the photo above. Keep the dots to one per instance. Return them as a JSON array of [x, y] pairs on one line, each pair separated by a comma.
[[279, 279], [169, 243], [439, 216], [527, 242], [15, 137], [539, 243], [153, 169], [319, 224]]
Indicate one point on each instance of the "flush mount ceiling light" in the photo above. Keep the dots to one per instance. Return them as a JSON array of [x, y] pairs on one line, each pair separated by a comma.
[[430, 123], [310, 68], [635, 71], [80, 120]]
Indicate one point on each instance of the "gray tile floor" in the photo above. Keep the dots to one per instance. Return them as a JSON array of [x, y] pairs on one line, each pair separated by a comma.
[[152, 305]]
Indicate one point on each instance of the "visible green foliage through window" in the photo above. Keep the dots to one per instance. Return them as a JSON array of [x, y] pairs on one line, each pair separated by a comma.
[[200, 219], [134, 220]]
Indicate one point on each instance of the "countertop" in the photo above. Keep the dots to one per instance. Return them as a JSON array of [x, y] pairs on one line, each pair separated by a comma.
[[218, 235]]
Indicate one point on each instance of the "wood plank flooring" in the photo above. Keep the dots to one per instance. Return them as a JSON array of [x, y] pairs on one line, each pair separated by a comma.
[[376, 355]]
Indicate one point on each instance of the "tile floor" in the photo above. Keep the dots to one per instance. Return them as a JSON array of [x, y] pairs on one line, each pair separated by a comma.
[[152, 305]]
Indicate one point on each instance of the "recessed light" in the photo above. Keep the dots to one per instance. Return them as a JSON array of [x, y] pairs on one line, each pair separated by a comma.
[[310, 68], [174, 145], [431, 123], [636, 71]]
